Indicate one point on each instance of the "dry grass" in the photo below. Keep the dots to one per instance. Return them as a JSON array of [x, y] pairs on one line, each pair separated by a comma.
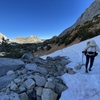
[[56, 47], [53, 49], [45, 52]]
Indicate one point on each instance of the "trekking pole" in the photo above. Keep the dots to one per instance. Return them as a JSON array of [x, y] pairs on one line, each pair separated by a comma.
[[82, 58]]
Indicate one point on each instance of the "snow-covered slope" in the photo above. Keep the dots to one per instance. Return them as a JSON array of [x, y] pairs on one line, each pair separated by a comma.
[[81, 86]]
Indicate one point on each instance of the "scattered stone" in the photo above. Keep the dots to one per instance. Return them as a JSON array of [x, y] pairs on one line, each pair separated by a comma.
[[28, 56], [49, 94], [70, 71], [10, 72], [37, 79], [24, 96], [30, 83]]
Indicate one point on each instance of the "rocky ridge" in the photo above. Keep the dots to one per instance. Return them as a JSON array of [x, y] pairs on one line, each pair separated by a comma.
[[22, 40], [88, 14], [30, 39]]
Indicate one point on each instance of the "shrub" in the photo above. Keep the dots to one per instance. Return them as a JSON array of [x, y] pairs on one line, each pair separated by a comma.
[[48, 47]]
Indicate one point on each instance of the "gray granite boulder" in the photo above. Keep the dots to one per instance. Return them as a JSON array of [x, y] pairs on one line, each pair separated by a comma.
[[7, 64], [5, 80]]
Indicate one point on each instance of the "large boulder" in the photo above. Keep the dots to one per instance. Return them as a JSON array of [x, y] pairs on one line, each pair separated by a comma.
[[5, 80], [48, 94], [7, 64]]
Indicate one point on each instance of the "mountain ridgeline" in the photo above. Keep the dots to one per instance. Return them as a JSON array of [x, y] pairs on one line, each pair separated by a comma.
[[22, 40], [86, 26], [88, 14], [30, 39]]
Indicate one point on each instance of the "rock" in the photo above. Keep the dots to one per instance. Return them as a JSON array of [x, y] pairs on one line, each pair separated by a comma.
[[40, 80], [59, 88], [10, 72], [50, 84], [30, 83], [42, 70], [27, 56], [24, 96], [48, 94], [9, 96], [22, 88], [5, 80], [34, 67], [39, 91], [11, 64], [70, 71], [78, 67], [13, 86], [31, 66], [32, 95], [17, 80]]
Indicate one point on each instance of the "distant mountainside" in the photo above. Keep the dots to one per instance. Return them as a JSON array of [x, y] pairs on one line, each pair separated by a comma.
[[89, 13], [86, 30], [22, 40], [30, 39]]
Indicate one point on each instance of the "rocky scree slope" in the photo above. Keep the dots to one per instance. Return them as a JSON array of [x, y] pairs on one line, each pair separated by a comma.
[[32, 78]]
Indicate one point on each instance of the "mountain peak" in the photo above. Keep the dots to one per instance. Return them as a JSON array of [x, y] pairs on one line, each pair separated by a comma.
[[30, 39]]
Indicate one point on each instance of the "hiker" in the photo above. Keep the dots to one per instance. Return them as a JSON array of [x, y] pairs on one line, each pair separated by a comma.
[[91, 52]]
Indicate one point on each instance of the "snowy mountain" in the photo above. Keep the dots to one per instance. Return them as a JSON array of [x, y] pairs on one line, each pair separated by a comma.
[[88, 14], [81, 86]]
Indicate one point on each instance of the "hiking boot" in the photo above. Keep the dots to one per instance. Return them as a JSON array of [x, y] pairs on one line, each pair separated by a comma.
[[89, 69], [86, 71]]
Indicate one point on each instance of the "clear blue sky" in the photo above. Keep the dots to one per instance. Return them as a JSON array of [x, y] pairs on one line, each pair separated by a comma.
[[41, 18]]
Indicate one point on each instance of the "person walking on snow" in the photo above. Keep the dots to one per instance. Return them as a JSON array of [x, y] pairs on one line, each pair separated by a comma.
[[91, 52]]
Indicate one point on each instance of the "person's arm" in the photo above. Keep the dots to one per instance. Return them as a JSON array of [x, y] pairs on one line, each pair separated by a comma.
[[84, 51]]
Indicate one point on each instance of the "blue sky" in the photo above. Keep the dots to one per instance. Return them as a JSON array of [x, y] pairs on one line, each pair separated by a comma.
[[41, 18]]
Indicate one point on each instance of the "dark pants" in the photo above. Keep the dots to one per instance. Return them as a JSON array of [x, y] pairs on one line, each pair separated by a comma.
[[91, 59]]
